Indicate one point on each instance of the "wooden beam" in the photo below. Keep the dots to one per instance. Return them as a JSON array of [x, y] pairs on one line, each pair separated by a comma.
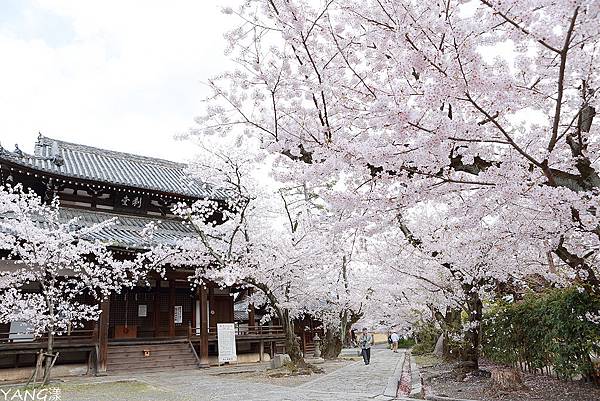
[[103, 336], [203, 327], [179, 274]]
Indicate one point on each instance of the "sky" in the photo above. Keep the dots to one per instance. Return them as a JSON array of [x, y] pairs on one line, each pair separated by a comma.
[[124, 75]]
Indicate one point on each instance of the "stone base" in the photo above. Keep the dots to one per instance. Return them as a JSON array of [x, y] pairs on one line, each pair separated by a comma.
[[279, 360], [416, 385]]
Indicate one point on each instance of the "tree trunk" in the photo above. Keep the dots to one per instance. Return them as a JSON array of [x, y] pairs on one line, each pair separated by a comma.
[[335, 338], [506, 379], [50, 346], [450, 324], [332, 344], [51, 328], [473, 334], [291, 342], [292, 346], [49, 357]]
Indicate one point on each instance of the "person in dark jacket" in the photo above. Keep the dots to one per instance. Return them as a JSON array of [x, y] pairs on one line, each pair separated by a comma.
[[365, 341]]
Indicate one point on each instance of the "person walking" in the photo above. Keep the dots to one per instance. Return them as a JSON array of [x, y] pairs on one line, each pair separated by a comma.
[[365, 341], [395, 340]]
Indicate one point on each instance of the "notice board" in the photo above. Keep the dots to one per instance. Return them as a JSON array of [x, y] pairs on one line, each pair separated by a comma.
[[226, 341]]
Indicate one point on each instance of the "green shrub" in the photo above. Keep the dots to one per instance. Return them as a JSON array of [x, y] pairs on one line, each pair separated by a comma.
[[426, 335], [549, 329], [422, 349], [406, 342]]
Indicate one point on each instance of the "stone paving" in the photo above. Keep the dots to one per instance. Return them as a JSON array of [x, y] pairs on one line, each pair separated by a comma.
[[352, 383]]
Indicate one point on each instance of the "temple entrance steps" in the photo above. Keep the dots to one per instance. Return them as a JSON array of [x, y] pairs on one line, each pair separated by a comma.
[[155, 357]]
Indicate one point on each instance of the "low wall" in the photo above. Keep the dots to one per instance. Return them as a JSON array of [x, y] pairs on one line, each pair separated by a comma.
[[380, 338], [23, 374], [9, 375], [250, 357]]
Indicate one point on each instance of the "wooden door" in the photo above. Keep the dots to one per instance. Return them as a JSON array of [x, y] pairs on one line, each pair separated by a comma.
[[223, 308]]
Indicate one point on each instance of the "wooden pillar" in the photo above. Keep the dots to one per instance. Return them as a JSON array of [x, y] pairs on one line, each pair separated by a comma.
[[251, 312], [193, 301], [212, 318], [203, 327], [261, 350], [171, 308], [103, 336], [156, 316]]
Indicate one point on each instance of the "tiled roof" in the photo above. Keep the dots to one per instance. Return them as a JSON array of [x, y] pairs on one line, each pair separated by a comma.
[[240, 315], [107, 166], [126, 231]]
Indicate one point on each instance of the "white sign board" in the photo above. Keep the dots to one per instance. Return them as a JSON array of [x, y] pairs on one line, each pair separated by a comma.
[[142, 310], [20, 331], [178, 315], [226, 341]]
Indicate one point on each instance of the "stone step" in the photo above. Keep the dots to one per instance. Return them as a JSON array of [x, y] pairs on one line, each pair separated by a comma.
[[168, 356], [150, 363], [141, 359], [128, 370]]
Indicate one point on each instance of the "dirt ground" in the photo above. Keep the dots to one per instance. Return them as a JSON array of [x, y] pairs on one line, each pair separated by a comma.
[[439, 379]]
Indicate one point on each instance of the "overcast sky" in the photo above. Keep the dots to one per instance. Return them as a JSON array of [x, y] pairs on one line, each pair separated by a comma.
[[120, 74]]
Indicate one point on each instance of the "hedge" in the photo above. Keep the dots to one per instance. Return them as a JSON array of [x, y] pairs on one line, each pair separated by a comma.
[[550, 331]]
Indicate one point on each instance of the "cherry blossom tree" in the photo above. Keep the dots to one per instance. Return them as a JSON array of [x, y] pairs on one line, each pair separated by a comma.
[[259, 236], [60, 272], [452, 95], [345, 286], [465, 256], [483, 107]]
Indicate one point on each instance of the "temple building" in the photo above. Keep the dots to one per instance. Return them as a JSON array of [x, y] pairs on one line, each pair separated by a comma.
[[166, 325]]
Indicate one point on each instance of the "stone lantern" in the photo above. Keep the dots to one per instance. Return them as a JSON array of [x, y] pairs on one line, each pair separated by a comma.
[[317, 341]]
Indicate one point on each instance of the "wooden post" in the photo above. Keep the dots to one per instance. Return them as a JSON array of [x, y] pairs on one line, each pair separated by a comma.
[[203, 328], [212, 318], [156, 316], [251, 312], [171, 308], [103, 336], [261, 350], [92, 356], [193, 301]]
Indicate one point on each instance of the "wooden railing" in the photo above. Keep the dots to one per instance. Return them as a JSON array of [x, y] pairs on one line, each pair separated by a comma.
[[242, 330], [28, 337]]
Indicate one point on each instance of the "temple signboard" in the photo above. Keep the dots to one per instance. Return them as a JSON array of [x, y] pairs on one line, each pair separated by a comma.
[[226, 341], [130, 201]]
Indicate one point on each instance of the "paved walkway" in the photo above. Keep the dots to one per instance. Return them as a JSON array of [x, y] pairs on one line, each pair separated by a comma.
[[352, 383]]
